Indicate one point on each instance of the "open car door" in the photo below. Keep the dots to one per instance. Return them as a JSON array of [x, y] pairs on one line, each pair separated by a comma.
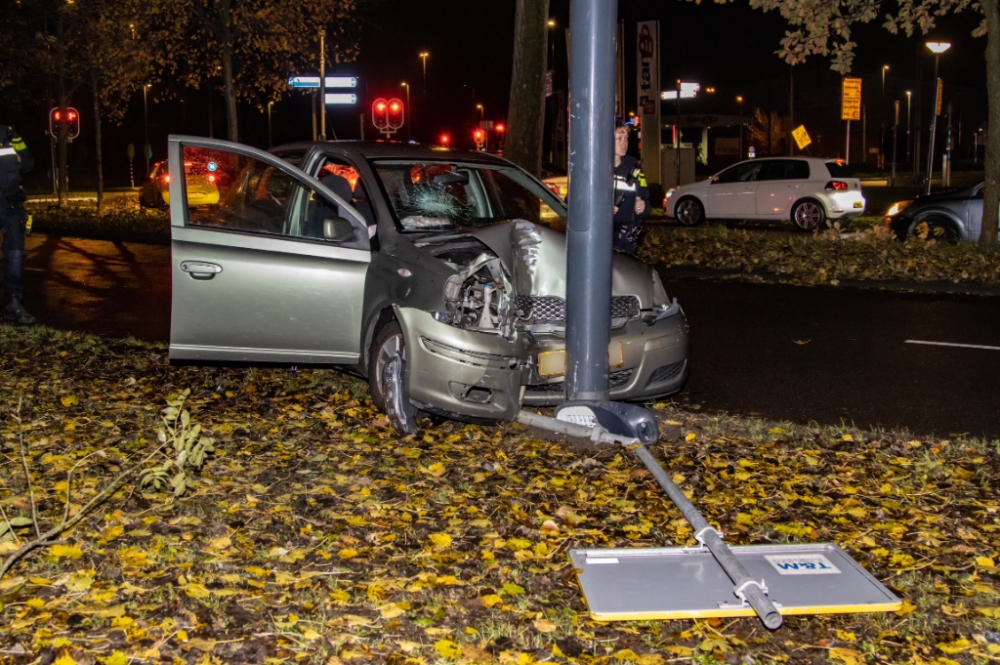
[[268, 264]]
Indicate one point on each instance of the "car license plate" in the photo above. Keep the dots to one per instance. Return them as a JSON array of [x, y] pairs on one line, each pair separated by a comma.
[[859, 204], [553, 363]]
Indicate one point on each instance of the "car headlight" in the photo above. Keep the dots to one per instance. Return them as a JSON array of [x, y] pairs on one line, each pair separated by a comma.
[[670, 192], [660, 298], [898, 208]]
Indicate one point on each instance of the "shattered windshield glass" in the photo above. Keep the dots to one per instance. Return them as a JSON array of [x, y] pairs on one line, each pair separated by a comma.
[[446, 195]]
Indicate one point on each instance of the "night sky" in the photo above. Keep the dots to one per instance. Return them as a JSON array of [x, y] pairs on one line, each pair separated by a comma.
[[471, 43]]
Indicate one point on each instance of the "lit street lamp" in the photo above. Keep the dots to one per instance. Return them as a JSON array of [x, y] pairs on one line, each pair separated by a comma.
[[482, 112], [423, 57], [270, 142], [909, 143], [739, 98], [409, 125], [881, 135], [937, 48]]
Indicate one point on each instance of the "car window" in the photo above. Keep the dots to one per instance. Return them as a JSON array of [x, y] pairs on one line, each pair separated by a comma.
[[784, 169], [839, 169], [435, 195], [745, 172]]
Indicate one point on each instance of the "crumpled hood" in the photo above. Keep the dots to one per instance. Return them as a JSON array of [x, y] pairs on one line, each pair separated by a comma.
[[535, 255]]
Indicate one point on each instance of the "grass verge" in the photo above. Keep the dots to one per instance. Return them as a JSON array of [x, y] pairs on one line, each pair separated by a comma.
[[822, 258], [316, 535]]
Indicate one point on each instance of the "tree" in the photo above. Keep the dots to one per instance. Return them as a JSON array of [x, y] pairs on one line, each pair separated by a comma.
[[526, 114], [253, 45], [769, 132], [823, 27]]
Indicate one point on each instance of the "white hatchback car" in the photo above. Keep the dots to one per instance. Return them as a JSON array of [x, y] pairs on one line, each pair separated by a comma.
[[807, 190]]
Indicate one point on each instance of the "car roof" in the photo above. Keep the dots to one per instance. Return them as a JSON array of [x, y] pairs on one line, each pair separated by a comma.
[[395, 150]]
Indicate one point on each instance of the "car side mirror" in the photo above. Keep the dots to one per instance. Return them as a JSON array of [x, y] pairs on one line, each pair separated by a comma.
[[337, 229]]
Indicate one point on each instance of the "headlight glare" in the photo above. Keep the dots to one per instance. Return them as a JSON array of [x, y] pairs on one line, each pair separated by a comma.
[[898, 208]]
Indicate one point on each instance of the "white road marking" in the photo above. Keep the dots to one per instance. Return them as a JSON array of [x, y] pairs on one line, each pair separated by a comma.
[[963, 346]]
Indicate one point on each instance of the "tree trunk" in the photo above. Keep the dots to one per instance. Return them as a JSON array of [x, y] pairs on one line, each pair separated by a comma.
[[97, 140], [526, 116], [227, 71], [991, 198]]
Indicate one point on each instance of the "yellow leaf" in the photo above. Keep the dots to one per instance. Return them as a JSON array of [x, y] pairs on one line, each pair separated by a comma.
[[197, 591], [625, 654], [310, 634], [448, 649], [437, 469], [775, 430], [678, 478], [954, 647], [441, 540], [849, 656], [744, 519], [544, 626], [992, 612], [64, 660], [116, 658], [80, 581], [651, 659], [347, 553], [66, 551], [844, 636], [36, 603], [691, 436], [518, 543], [390, 611], [490, 599], [219, 543], [847, 437], [513, 589], [906, 608], [985, 562], [69, 400]]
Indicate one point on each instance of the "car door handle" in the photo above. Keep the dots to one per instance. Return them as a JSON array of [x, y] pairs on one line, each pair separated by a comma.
[[200, 269]]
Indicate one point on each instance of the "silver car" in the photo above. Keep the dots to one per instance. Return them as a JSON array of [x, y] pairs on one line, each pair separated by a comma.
[[438, 275], [950, 216]]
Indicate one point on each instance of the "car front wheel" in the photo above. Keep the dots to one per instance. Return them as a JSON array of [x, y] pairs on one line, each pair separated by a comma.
[[689, 212], [809, 215], [387, 379]]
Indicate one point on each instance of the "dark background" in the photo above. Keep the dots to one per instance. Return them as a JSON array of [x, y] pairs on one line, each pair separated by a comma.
[[730, 47]]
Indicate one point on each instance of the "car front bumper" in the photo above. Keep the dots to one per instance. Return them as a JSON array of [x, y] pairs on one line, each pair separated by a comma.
[[478, 376]]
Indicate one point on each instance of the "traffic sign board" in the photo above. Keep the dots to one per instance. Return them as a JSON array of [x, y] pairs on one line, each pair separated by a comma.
[[850, 104], [331, 82], [341, 98], [801, 137]]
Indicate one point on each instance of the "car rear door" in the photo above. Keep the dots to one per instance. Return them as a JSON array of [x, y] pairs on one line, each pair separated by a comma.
[[733, 193], [780, 184], [253, 280]]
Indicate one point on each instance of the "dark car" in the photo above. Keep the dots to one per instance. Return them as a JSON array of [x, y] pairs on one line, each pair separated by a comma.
[[949, 216], [439, 275]]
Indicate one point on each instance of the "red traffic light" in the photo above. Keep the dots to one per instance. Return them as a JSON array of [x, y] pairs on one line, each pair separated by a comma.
[[71, 118], [380, 116], [396, 115], [500, 129], [478, 135], [445, 139]]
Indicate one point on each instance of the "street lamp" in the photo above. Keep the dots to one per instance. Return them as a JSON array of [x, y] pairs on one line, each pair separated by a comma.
[[552, 45], [937, 48], [482, 111], [409, 125], [145, 123], [881, 134], [739, 99], [909, 143], [423, 56], [270, 142]]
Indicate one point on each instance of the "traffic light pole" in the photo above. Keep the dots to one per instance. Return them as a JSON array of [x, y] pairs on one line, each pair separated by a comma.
[[588, 240]]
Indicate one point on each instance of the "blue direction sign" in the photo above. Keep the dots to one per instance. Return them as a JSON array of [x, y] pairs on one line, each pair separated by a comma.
[[331, 82]]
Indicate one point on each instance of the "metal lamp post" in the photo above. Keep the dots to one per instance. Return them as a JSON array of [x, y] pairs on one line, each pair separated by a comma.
[[145, 124], [409, 125], [881, 113], [270, 141], [739, 99], [423, 57], [937, 48], [909, 142]]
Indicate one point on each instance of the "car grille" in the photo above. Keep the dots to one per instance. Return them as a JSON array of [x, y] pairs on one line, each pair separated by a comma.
[[615, 379], [552, 309], [667, 372]]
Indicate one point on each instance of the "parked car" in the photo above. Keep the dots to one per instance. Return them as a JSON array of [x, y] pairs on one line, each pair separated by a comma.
[[439, 276], [202, 185], [556, 181], [807, 190], [950, 216]]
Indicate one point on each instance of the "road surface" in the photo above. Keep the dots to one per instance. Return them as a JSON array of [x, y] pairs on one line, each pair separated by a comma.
[[783, 352]]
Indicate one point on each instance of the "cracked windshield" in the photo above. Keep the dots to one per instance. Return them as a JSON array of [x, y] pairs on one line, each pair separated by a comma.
[[435, 195]]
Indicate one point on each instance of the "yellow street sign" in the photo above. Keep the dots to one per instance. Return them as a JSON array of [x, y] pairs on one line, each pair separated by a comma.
[[801, 137], [850, 104]]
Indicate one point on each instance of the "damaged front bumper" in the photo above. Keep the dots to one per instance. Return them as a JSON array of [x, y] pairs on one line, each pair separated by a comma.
[[471, 375]]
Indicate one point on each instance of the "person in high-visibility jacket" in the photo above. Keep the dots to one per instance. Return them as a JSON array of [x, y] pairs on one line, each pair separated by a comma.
[[15, 159], [631, 195]]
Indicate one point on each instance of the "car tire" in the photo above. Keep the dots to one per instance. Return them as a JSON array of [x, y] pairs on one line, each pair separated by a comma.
[[386, 378], [809, 215], [689, 212], [941, 229]]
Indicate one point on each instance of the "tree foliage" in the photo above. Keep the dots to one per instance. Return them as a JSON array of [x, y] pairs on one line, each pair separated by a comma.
[[250, 47]]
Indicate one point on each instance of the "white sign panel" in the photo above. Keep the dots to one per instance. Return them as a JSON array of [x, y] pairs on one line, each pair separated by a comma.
[[341, 98], [331, 82], [802, 564]]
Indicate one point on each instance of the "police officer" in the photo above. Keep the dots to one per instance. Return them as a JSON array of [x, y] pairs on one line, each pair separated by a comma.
[[15, 159], [631, 195]]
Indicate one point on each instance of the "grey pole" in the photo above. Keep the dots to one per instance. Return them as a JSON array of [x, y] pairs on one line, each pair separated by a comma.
[[591, 201], [930, 142]]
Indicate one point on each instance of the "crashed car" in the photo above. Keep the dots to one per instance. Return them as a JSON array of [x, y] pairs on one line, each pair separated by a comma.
[[438, 275]]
